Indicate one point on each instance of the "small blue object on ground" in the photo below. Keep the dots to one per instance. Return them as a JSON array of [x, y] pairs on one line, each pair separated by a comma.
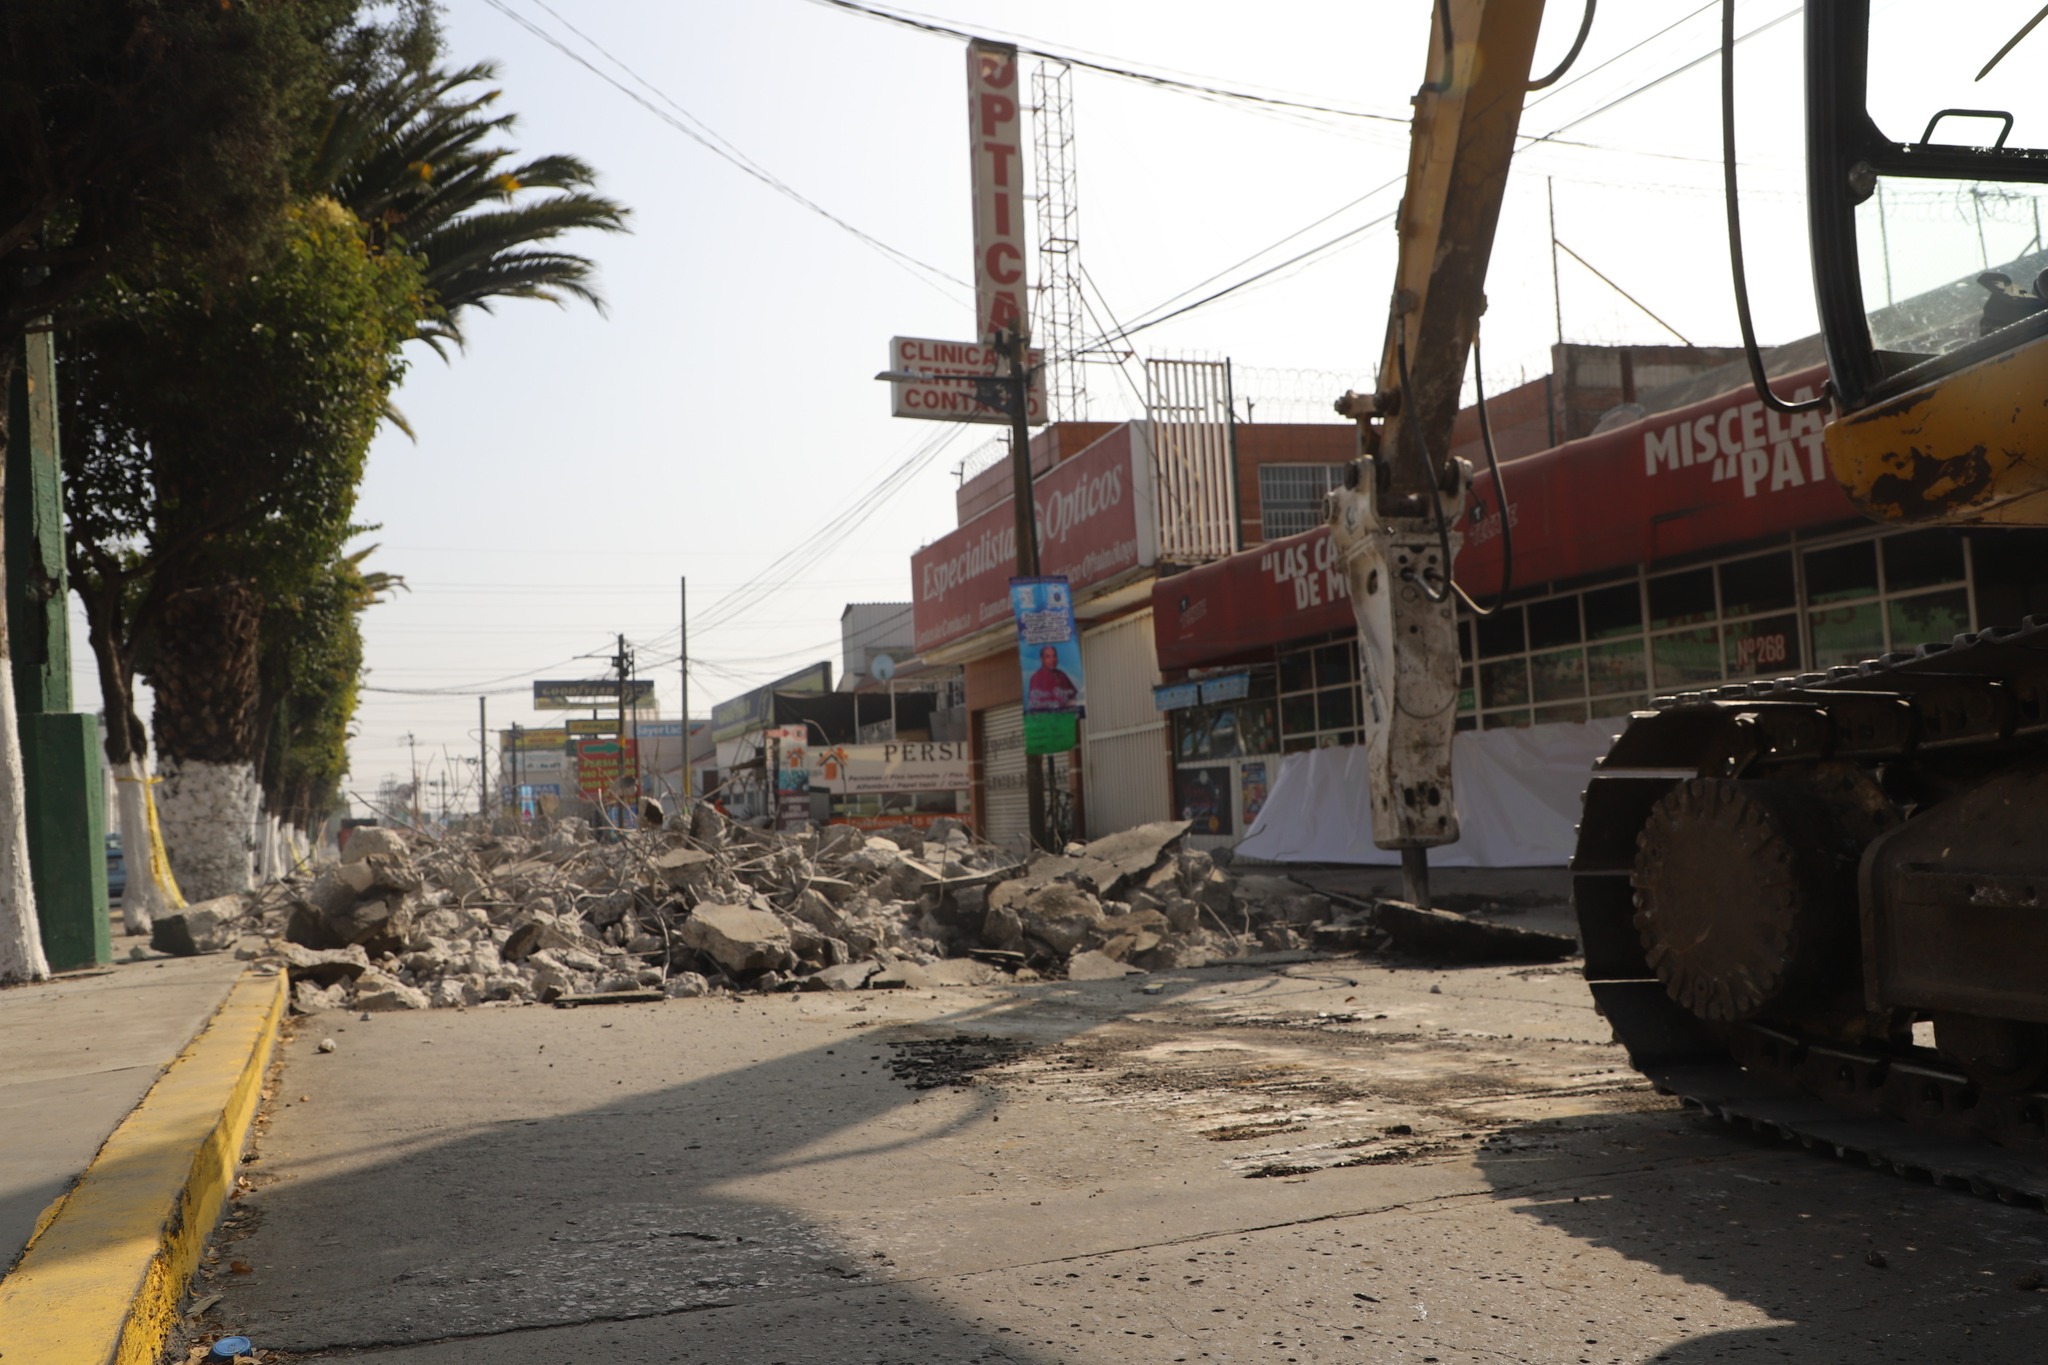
[[227, 1348]]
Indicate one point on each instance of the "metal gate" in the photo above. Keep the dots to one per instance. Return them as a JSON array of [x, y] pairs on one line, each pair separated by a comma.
[[1124, 758], [1006, 803], [1006, 810]]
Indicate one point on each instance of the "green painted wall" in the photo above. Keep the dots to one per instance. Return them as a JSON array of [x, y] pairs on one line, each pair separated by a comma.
[[67, 819], [60, 748]]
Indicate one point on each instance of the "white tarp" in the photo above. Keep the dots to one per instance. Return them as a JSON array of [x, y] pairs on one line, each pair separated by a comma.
[[1517, 794]]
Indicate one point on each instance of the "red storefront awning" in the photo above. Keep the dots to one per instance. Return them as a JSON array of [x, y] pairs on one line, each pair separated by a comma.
[[1719, 472]]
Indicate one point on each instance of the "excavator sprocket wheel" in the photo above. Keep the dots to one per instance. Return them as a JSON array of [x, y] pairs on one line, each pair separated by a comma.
[[1735, 895]]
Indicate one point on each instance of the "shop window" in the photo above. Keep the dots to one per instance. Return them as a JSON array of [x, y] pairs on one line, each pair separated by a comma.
[[1928, 618], [1297, 671], [1501, 633], [1298, 714], [1505, 720], [1504, 682], [1614, 611], [1615, 667], [1554, 622], [1336, 664], [1559, 675], [1686, 658], [2011, 573], [1841, 572], [1755, 585], [1603, 707], [1921, 559], [1680, 599], [1546, 715], [1225, 730], [1846, 635], [1468, 699], [1291, 497], [1336, 707], [1767, 647]]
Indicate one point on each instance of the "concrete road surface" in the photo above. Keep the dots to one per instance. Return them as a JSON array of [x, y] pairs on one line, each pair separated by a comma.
[[1329, 1161]]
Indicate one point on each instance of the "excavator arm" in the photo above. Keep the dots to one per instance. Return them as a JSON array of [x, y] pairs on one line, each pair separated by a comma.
[[1396, 519]]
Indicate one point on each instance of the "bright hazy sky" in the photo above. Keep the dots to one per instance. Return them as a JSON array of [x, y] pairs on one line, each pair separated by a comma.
[[571, 468]]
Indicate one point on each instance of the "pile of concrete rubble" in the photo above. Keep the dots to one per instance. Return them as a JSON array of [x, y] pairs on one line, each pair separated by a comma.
[[403, 922]]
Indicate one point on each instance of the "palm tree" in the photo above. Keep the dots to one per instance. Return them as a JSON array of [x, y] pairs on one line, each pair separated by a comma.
[[409, 152], [411, 149]]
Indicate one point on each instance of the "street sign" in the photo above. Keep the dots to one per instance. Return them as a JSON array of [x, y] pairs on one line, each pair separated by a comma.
[[573, 694], [978, 389], [995, 128]]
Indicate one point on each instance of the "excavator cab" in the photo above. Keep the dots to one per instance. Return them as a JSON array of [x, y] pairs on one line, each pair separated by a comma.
[[1926, 166]]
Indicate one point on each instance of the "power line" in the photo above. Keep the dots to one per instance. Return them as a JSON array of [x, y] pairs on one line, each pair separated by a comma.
[[694, 128], [1113, 67], [1152, 317]]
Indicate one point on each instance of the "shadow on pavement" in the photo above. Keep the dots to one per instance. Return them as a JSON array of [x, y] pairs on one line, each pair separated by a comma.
[[1851, 1264], [468, 1195]]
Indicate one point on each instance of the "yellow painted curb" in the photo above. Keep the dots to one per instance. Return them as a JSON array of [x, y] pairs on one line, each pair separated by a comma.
[[100, 1281]]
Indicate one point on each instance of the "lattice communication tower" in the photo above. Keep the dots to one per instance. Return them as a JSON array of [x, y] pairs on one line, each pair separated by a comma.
[[1057, 326]]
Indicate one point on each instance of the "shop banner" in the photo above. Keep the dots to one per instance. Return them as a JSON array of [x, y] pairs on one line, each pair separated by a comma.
[[862, 769], [1049, 653], [1097, 525], [604, 767], [1711, 474], [792, 760]]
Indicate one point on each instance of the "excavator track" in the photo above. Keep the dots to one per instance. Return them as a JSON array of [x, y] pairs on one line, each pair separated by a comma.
[[1937, 719]]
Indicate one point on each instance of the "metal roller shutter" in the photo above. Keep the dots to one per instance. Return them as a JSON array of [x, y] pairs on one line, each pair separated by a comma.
[[1123, 740], [1006, 811], [1007, 802]]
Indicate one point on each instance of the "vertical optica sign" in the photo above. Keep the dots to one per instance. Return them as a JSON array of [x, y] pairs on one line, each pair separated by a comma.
[[996, 136], [1049, 652]]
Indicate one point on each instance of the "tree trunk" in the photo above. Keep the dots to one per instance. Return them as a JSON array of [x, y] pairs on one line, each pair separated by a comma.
[[128, 756], [206, 694], [21, 936]]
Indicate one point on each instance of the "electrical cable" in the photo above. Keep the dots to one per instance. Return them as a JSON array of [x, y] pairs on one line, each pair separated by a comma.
[[1750, 352], [710, 141], [1585, 27], [1500, 491], [1106, 68], [1146, 321]]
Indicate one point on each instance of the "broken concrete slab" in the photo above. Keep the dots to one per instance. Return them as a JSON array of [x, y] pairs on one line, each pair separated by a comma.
[[1424, 932], [848, 976], [900, 976], [738, 938], [1060, 915], [1112, 863], [1090, 965], [211, 926], [322, 966], [378, 991]]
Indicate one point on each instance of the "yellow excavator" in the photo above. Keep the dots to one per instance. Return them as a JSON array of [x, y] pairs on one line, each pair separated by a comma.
[[1817, 905]]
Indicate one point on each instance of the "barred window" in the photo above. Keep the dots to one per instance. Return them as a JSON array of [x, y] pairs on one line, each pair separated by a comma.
[[1291, 497]]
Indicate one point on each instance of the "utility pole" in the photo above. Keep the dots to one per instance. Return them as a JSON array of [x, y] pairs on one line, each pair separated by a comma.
[[621, 661], [483, 758], [683, 670], [1019, 347], [412, 743]]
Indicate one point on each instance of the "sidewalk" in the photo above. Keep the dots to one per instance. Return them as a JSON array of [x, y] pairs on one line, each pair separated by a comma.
[[125, 1093]]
